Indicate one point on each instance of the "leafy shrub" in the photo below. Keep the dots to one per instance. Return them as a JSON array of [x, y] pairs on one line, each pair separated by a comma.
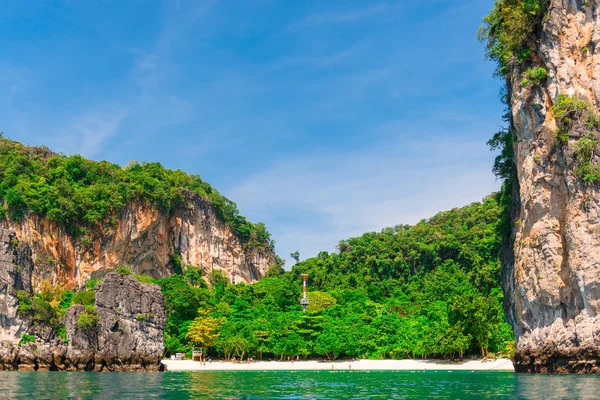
[[26, 338], [144, 316], [88, 319], [570, 111], [143, 278], [85, 297], [90, 284], [534, 76], [46, 308], [61, 333], [123, 270], [584, 151], [507, 30], [24, 299], [193, 275], [43, 312], [177, 263]]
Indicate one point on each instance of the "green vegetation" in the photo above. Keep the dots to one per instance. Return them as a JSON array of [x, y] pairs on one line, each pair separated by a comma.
[[83, 195], [85, 298], [90, 284], [432, 289], [508, 31], [26, 338], [47, 307], [193, 275], [534, 76], [584, 152], [572, 113], [88, 318], [568, 111], [296, 256], [144, 317], [143, 278], [123, 270], [127, 270], [24, 299], [61, 333]]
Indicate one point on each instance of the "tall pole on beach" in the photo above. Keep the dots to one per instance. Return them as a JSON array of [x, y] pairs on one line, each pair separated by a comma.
[[304, 300]]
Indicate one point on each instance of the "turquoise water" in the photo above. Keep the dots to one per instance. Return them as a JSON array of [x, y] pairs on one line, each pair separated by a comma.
[[297, 385]]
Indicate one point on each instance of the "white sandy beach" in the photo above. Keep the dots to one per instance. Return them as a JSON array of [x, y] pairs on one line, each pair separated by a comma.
[[501, 364]]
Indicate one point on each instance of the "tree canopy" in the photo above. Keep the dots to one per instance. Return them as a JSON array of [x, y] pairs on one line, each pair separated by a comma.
[[432, 289], [81, 194]]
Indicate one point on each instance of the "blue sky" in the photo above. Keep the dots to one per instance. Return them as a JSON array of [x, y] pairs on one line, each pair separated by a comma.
[[322, 119]]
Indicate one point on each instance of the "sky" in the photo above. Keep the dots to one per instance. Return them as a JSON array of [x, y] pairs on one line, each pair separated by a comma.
[[323, 119]]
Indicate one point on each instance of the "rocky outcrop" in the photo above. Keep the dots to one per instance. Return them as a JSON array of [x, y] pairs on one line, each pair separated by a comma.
[[126, 334], [145, 238], [129, 333], [552, 278], [15, 274]]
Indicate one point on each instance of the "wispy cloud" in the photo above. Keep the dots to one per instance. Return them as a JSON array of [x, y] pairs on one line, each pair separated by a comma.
[[312, 202], [325, 120], [86, 134]]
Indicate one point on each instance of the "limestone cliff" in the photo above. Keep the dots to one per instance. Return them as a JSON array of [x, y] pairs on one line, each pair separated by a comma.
[[553, 284], [145, 238], [127, 335]]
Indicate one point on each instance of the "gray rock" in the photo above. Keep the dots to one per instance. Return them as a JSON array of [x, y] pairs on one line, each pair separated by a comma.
[[15, 275], [551, 271], [128, 336]]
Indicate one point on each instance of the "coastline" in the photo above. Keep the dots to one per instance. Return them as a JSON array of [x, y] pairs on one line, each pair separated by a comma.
[[501, 364]]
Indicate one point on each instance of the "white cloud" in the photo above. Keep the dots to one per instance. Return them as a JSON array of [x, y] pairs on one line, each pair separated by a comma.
[[312, 202], [86, 134]]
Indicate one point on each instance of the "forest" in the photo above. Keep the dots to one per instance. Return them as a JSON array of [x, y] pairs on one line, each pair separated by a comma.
[[83, 195], [429, 290]]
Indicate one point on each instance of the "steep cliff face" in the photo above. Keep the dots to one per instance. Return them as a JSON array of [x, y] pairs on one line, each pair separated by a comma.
[[146, 239], [127, 334], [553, 287], [15, 274]]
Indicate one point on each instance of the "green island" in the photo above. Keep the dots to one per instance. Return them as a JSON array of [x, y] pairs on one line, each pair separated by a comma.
[[97, 259], [429, 290]]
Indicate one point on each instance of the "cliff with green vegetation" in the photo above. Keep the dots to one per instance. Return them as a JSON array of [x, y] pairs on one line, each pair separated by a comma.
[[429, 290], [82, 218], [114, 325], [549, 159]]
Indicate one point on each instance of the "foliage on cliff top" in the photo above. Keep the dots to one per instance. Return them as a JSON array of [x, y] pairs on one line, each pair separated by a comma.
[[507, 31], [428, 289], [467, 236], [76, 192]]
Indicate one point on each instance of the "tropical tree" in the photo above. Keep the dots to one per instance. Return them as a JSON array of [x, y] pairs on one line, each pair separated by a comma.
[[204, 330]]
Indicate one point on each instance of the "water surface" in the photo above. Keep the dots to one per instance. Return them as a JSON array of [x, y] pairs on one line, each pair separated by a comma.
[[297, 385]]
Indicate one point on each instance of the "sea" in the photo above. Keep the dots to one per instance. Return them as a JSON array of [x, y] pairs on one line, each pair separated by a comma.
[[297, 385]]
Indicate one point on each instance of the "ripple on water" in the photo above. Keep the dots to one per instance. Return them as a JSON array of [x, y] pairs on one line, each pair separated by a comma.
[[297, 385]]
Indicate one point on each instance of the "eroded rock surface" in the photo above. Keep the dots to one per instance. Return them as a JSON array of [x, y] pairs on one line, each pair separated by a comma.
[[145, 238], [128, 335], [552, 279], [15, 274]]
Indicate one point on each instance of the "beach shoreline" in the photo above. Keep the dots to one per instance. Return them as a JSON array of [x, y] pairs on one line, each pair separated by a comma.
[[501, 364]]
